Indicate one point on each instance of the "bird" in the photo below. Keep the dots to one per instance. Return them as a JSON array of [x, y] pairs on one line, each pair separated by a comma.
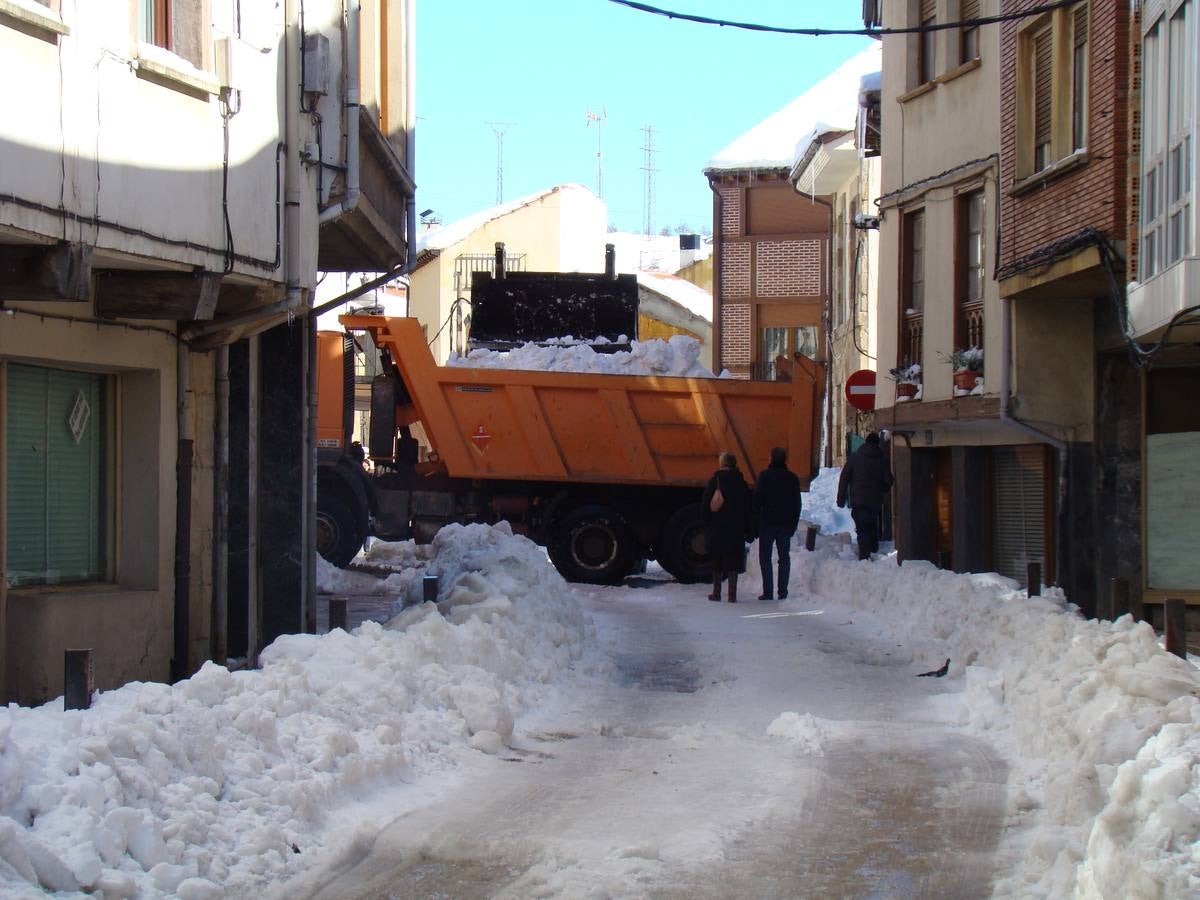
[[937, 673]]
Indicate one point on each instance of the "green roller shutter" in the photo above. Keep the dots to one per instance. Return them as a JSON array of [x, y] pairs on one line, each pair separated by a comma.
[[56, 475]]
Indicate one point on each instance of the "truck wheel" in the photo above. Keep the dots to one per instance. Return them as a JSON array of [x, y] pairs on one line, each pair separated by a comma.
[[683, 548], [593, 545], [339, 535]]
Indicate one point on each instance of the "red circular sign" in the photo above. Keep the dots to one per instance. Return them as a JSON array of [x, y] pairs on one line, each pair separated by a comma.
[[860, 390]]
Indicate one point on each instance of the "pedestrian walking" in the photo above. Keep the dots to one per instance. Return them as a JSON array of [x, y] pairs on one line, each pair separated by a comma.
[[728, 513], [776, 505], [866, 479]]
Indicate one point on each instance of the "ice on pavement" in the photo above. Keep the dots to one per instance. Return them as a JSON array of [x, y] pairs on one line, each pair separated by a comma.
[[225, 782]]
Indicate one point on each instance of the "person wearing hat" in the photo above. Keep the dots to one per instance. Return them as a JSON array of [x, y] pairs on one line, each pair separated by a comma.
[[866, 479]]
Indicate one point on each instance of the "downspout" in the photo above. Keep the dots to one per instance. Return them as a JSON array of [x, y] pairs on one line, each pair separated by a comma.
[[292, 190], [352, 111], [220, 599], [308, 489], [410, 123], [180, 664], [1009, 419]]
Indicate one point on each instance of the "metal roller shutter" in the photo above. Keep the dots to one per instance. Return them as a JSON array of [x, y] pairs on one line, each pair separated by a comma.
[[1019, 510]]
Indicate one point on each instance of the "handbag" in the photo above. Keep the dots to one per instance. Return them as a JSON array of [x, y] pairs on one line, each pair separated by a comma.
[[717, 501]]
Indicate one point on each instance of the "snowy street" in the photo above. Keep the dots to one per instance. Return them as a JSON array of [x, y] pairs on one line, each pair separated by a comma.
[[525, 737], [662, 779]]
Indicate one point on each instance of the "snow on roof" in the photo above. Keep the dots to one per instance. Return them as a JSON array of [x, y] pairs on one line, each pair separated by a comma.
[[872, 83], [449, 235], [693, 298], [829, 105], [653, 252]]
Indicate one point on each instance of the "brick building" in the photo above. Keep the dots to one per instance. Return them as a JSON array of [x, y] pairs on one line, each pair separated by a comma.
[[771, 243]]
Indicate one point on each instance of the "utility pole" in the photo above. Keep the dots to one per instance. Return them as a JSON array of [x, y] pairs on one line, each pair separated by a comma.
[[599, 118], [648, 168], [498, 128]]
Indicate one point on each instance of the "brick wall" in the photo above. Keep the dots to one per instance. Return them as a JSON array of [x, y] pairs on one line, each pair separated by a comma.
[[735, 334], [731, 210], [787, 268], [1095, 194], [1134, 178], [735, 270]]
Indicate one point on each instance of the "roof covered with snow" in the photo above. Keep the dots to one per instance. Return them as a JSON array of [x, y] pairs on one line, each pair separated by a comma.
[[449, 235], [691, 297], [828, 106]]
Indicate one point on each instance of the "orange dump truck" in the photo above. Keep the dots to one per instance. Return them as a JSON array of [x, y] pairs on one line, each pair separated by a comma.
[[604, 470]]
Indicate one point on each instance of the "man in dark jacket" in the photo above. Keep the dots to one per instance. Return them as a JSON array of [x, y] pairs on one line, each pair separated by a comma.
[[866, 478], [777, 506], [730, 525]]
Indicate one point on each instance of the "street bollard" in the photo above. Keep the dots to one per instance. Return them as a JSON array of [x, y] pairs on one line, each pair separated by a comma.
[[79, 679], [810, 538], [1034, 580], [337, 613], [946, 560], [1119, 598], [429, 584], [1175, 626]]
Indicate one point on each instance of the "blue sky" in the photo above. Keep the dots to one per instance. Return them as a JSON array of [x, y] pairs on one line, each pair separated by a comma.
[[542, 64]]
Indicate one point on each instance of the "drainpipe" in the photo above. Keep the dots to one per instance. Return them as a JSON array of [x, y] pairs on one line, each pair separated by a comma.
[[180, 664], [410, 122], [351, 107], [292, 177], [220, 599], [1006, 416], [308, 488]]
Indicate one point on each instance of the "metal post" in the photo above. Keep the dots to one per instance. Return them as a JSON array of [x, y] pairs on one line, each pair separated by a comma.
[[1175, 626], [945, 560], [1034, 579], [79, 679], [337, 613], [810, 538], [1119, 598], [429, 585]]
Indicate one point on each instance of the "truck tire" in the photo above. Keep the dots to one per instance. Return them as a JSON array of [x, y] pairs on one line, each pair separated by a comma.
[[339, 535], [593, 545], [683, 548]]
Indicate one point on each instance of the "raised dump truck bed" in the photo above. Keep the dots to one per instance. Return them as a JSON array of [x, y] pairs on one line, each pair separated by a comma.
[[605, 470]]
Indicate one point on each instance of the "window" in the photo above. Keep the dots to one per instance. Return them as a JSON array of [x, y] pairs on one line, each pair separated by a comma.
[[839, 253], [971, 270], [968, 35], [1168, 51], [175, 25], [1052, 123], [779, 346], [57, 464], [913, 273], [927, 43]]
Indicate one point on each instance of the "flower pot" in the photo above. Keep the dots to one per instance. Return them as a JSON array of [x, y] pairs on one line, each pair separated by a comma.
[[965, 379], [906, 391]]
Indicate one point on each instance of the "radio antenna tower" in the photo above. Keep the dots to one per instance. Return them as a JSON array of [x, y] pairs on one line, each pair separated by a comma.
[[599, 118], [648, 168], [498, 128]]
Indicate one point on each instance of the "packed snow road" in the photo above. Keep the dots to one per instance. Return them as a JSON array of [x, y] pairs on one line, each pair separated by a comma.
[[761, 750]]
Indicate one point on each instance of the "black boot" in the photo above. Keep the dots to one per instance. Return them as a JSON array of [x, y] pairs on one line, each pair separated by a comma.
[[715, 596], [732, 589]]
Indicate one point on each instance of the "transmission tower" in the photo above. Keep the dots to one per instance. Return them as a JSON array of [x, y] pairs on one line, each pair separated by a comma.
[[648, 168], [599, 118], [498, 128]]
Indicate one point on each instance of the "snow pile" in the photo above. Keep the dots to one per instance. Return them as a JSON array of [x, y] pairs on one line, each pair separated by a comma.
[[806, 731], [819, 505], [215, 785], [1103, 725], [678, 356]]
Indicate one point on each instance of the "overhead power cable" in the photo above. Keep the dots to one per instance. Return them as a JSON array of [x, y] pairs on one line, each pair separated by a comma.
[[864, 32]]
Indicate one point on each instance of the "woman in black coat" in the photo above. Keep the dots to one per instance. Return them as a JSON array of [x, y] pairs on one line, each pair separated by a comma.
[[730, 526]]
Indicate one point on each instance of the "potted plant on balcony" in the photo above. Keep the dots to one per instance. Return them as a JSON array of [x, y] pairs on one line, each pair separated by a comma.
[[908, 380], [968, 368]]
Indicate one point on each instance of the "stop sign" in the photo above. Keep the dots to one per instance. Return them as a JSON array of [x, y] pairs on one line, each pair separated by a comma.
[[860, 390]]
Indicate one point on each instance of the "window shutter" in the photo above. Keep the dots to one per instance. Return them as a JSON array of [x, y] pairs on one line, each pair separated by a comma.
[[1019, 506], [928, 10], [969, 9], [1043, 59]]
